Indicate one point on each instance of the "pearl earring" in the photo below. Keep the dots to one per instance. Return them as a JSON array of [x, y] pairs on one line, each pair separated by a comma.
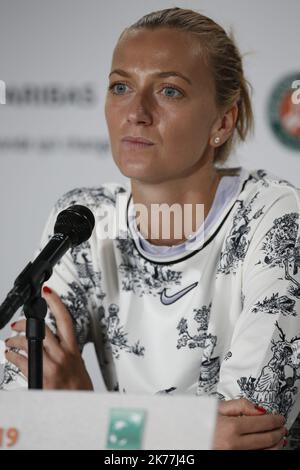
[[217, 140]]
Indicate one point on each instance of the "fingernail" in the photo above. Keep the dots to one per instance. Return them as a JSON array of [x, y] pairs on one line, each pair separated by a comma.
[[13, 324], [285, 442], [286, 432], [260, 409], [47, 290]]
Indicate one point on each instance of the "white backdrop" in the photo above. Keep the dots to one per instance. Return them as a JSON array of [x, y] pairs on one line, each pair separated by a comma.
[[53, 136]]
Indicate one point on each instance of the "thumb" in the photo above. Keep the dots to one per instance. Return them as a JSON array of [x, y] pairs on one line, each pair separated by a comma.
[[240, 407], [65, 327]]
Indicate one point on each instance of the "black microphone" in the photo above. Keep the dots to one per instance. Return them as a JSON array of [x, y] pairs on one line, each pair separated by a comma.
[[73, 226]]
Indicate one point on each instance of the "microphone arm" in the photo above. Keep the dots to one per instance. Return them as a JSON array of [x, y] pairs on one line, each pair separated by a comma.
[[28, 283], [73, 226]]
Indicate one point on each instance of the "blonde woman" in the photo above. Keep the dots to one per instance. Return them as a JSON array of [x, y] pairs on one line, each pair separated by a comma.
[[213, 310]]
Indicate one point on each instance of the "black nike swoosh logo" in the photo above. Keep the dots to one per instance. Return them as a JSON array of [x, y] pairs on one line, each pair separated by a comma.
[[170, 299]]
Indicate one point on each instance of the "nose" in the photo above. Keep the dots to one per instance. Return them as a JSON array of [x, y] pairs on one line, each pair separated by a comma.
[[139, 111]]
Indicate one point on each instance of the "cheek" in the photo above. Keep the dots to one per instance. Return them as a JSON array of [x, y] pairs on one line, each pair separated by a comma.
[[184, 133], [111, 116]]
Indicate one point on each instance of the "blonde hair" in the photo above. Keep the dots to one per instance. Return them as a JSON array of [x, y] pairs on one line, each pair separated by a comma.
[[224, 60]]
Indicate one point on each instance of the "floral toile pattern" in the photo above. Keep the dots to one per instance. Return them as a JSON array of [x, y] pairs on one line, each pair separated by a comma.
[[142, 276], [237, 242], [275, 388]]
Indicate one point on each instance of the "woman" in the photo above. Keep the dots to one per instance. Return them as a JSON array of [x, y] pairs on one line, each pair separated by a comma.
[[198, 310]]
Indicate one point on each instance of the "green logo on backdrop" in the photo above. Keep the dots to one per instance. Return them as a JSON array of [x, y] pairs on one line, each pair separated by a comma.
[[125, 429], [284, 111]]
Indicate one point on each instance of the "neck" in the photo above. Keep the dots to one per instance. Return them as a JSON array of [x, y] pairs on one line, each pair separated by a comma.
[[197, 188]]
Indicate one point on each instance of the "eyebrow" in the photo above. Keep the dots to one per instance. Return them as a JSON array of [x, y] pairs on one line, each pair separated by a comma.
[[170, 73]]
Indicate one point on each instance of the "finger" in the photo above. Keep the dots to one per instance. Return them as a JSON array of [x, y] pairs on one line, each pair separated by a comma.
[[19, 326], [22, 362], [19, 342], [240, 407], [259, 424], [262, 440], [63, 319], [51, 344], [65, 328], [18, 360], [281, 444]]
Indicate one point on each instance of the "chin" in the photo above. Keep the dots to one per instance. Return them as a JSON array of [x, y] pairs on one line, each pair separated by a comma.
[[133, 167], [138, 175], [141, 175]]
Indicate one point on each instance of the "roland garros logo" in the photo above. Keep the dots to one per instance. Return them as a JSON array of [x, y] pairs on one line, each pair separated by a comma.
[[284, 111], [296, 93]]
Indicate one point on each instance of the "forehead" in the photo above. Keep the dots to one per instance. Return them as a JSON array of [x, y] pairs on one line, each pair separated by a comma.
[[147, 50]]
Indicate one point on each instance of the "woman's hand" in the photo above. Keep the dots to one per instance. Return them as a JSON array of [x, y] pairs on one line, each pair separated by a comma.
[[63, 365], [242, 426]]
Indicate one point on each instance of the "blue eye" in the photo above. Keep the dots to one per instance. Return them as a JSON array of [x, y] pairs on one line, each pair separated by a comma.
[[172, 95], [118, 88]]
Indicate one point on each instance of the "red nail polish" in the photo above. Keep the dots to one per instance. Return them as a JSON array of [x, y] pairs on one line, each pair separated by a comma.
[[47, 290], [260, 409], [13, 324], [285, 442]]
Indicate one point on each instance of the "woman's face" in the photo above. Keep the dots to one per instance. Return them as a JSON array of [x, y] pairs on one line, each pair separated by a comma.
[[160, 90]]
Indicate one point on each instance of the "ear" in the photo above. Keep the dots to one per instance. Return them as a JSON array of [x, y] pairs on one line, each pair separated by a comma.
[[224, 126]]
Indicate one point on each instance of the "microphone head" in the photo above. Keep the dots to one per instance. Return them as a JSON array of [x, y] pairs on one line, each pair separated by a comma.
[[77, 222]]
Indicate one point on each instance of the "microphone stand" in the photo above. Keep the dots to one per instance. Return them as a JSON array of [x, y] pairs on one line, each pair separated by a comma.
[[35, 311]]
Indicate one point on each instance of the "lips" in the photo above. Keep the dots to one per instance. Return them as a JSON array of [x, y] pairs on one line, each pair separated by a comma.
[[137, 140]]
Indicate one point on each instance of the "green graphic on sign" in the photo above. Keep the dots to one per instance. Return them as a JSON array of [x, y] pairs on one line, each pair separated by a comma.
[[125, 429], [284, 111]]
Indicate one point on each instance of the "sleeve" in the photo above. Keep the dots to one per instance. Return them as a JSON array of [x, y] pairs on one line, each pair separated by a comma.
[[263, 364], [67, 282]]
